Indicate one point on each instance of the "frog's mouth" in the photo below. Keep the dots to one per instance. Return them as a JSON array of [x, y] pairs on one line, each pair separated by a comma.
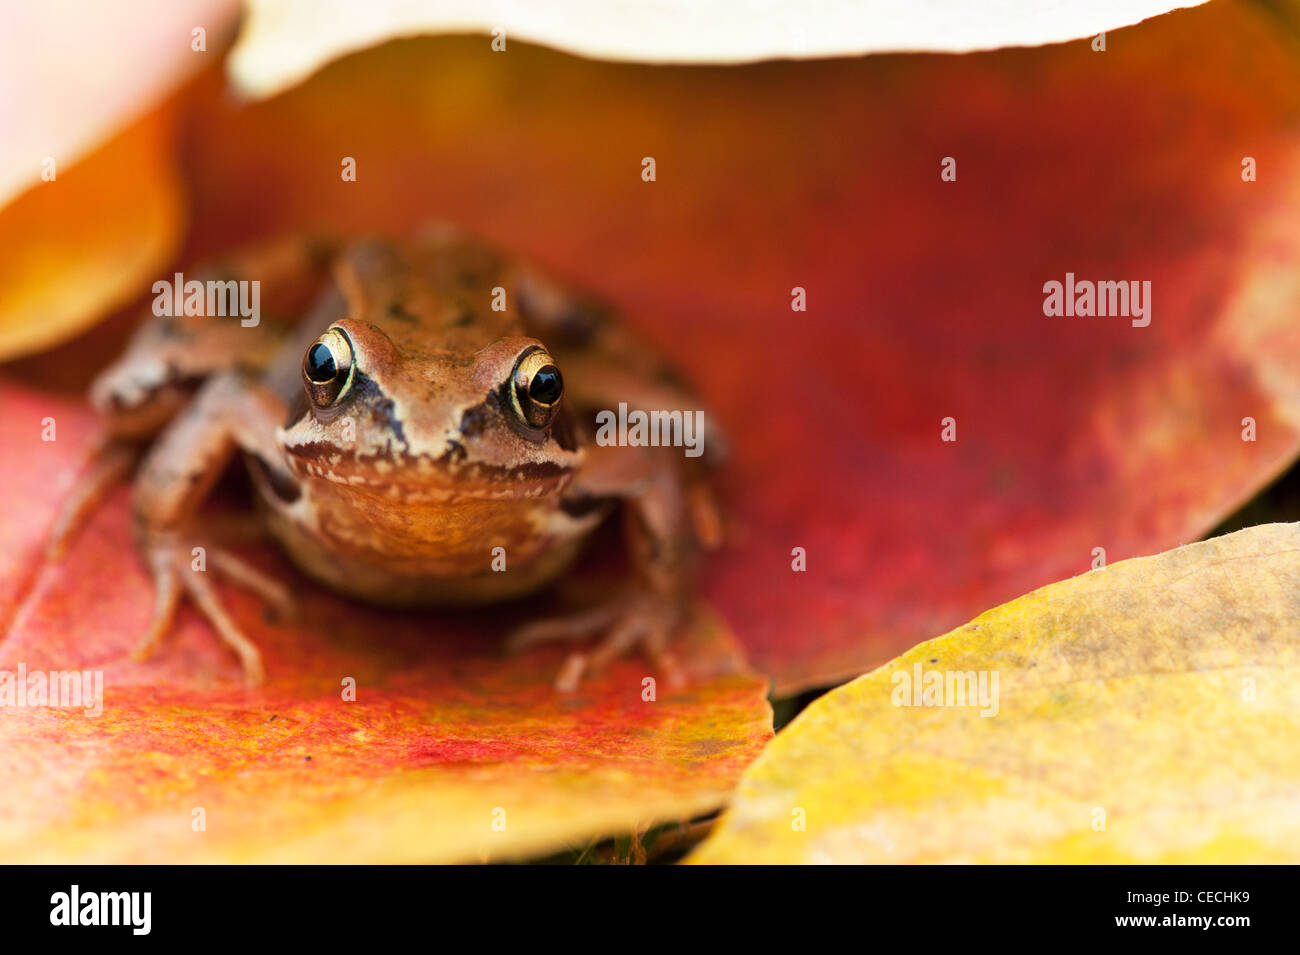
[[425, 478]]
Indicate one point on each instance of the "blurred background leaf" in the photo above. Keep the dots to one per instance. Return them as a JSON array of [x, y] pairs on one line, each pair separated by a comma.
[[285, 41]]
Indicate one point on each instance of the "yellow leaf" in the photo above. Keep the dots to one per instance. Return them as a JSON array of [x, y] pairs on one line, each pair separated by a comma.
[[1144, 712]]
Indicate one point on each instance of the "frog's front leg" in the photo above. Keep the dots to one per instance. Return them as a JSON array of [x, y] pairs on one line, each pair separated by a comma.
[[229, 412], [654, 604], [169, 355]]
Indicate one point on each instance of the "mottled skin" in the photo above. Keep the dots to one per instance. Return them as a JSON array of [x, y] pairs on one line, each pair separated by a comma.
[[394, 480]]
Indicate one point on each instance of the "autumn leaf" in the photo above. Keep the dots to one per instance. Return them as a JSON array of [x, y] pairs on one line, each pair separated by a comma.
[[76, 247], [451, 751], [91, 204], [127, 61], [924, 298], [1144, 712]]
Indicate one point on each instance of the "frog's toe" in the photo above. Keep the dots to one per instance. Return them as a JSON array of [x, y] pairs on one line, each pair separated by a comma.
[[174, 572], [110, 462], [630, 623], [576, 626], [273, 593], [205, 597], [167, 596]]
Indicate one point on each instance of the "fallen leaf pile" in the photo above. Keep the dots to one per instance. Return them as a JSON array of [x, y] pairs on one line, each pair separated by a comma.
[[919, 444]]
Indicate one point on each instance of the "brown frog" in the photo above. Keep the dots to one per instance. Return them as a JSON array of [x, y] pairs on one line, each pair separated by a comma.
[[429, 416]]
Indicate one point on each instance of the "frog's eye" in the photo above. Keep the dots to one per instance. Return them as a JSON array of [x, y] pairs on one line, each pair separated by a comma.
[[327, 367], [537, 388]]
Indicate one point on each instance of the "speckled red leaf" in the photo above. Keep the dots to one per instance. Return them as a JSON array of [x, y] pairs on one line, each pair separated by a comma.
[[924, 297], [451, 751]]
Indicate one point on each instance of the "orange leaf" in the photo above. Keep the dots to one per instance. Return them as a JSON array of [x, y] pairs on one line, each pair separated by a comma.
[[91, 239], [90, 204]]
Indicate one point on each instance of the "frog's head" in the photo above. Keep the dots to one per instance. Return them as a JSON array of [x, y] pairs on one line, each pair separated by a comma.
[[422, 418]]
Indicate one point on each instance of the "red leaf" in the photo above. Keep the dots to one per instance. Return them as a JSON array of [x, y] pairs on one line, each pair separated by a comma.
[[925, 298]]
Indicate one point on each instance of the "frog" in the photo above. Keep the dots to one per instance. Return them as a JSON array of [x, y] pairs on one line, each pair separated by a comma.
[[415, 417]]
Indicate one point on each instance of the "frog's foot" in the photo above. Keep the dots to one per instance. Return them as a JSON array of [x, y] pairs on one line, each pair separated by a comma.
[[637, 620], [173, 563]]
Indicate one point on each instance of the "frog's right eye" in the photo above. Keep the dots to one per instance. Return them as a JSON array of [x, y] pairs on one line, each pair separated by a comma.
[[327, 368]]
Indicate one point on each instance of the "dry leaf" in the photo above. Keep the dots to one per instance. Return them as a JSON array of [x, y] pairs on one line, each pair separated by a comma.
[[1145, 712]]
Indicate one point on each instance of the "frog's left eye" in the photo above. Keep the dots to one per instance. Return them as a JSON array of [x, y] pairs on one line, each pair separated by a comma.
[[327, 368], [536, 388]]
